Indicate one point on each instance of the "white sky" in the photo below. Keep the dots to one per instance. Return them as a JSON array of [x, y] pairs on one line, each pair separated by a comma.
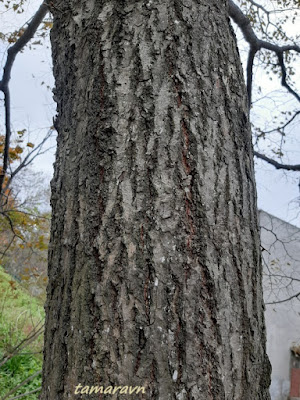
[[33, 109]]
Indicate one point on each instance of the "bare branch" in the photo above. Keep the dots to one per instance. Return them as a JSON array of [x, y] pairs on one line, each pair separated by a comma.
[[257, 44], [276, 164], [268, 12], [250, 36], [295, 296], [283, 71], [28, 159], [244, 24], [251, 56], [259, 6], [281, 128], [291, 278]]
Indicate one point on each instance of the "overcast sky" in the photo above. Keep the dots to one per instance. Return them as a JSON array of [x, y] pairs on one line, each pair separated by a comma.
[[33, 109]]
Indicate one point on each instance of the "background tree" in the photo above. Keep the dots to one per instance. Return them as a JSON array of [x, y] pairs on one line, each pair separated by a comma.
[[24, 232]]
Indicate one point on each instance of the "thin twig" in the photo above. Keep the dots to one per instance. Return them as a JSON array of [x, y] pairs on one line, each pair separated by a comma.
[[295, 296], [280, 128], [28, 159]]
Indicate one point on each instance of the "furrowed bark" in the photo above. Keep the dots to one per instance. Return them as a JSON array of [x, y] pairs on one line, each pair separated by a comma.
[[154, 261]]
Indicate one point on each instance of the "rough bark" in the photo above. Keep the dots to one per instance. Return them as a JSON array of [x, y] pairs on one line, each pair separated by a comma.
[[154, 261]]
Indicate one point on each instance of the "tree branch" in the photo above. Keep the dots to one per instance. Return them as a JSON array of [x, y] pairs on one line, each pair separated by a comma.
[[244, 24], [21, 42], [250, 36], [259, 6], [283, 79], [257, 44], [295, 296], [276, 164], [7, 138], [280, 128], [291, 278], [4, 83], [28, 159], [251, 56]]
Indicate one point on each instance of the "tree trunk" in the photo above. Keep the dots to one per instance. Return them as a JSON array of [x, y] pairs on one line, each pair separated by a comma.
[[154, 260]]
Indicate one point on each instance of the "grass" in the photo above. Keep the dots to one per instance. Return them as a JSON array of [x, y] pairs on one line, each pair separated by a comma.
[[21, 320]]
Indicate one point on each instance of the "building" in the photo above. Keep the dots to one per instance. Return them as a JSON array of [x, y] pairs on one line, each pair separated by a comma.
[[281, 279]]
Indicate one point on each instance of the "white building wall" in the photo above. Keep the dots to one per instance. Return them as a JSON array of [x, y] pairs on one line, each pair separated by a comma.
[[281, 259]]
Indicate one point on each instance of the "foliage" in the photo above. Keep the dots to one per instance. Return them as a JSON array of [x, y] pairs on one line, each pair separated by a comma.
[[24, 229], [16, 370], [20, 316], [14, 152], [23, 247], [26, 258], [19, 7], [24, 236]]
